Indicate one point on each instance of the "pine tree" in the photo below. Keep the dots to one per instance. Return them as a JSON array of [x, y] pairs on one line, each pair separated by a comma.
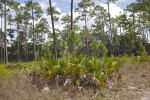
[[85, 12], [52, 11]]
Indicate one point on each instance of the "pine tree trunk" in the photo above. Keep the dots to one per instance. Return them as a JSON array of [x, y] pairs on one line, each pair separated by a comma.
[[26, 48], [11, 52], [18, 57], [1, 38], [149, 21], [25, 45], [124, 40], [72, 53], [122, 49], [86, 37], [54, 37], [44, 45], [34, 48], [110, 30], [130, 43], [71, 15], [6, 55], [134, 35], [103, 29]]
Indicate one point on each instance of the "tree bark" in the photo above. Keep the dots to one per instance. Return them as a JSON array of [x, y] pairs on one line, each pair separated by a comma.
[[18, 57], [25, 44], [121, 41], [71, 15], [54, 37], [130, 43], [134, 35], [1, 38], [86, 37], [110, 29], [6, 55], [34, 48]]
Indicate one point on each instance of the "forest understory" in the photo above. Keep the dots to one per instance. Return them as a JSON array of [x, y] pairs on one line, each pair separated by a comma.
[[131, 82], [85, 53]]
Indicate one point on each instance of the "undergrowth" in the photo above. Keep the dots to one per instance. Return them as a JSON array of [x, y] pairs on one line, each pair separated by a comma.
[[84, 70], [5, 73]]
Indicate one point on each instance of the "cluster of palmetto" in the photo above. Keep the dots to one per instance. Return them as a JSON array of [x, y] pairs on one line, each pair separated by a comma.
[[113, 36]]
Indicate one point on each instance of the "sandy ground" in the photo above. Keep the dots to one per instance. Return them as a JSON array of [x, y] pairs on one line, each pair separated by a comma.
[[133, 84]]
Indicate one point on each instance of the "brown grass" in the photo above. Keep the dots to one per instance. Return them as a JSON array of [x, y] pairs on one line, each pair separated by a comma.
[[133, 85], [22, 87]]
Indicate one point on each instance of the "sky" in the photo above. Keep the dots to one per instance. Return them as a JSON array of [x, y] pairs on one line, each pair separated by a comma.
[[63, 6]]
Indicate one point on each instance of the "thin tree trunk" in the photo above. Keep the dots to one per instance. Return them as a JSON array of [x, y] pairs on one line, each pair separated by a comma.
[[149, 21], [134, 35], [6, 55], [130, 43], [4, 42], [26, 49], [34, 48], [71, 15], [38, 42], [72, 53], [103, 29], [148, 33], [110, 30], [122, 41], [11, 54], [18, 57], [44, 45], [54, 37], [27, 55], [139, 29], [86, 38], [25, 45], [1, 37]]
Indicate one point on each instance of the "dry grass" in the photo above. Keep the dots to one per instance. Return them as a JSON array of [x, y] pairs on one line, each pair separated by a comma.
[[133, 85], [21, 87]]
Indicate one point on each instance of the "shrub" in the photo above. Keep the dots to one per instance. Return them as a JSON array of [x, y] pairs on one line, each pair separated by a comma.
[[5, 74]]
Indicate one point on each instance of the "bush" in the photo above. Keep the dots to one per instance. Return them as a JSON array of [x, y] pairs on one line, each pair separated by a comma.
[[4, 74], [74, 68], [142, 53]]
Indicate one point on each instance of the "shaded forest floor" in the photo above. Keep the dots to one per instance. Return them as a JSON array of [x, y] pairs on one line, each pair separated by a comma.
[[133, 83]]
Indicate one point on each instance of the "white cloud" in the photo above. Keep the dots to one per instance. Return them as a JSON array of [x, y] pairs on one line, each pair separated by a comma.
[[22, 4], [58, 9], [75, 1], [114, 9], [125, 1], [45, 4], [54, 4]]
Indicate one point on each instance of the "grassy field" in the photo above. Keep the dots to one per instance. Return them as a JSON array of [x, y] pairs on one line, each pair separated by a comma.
[[79, 78]]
